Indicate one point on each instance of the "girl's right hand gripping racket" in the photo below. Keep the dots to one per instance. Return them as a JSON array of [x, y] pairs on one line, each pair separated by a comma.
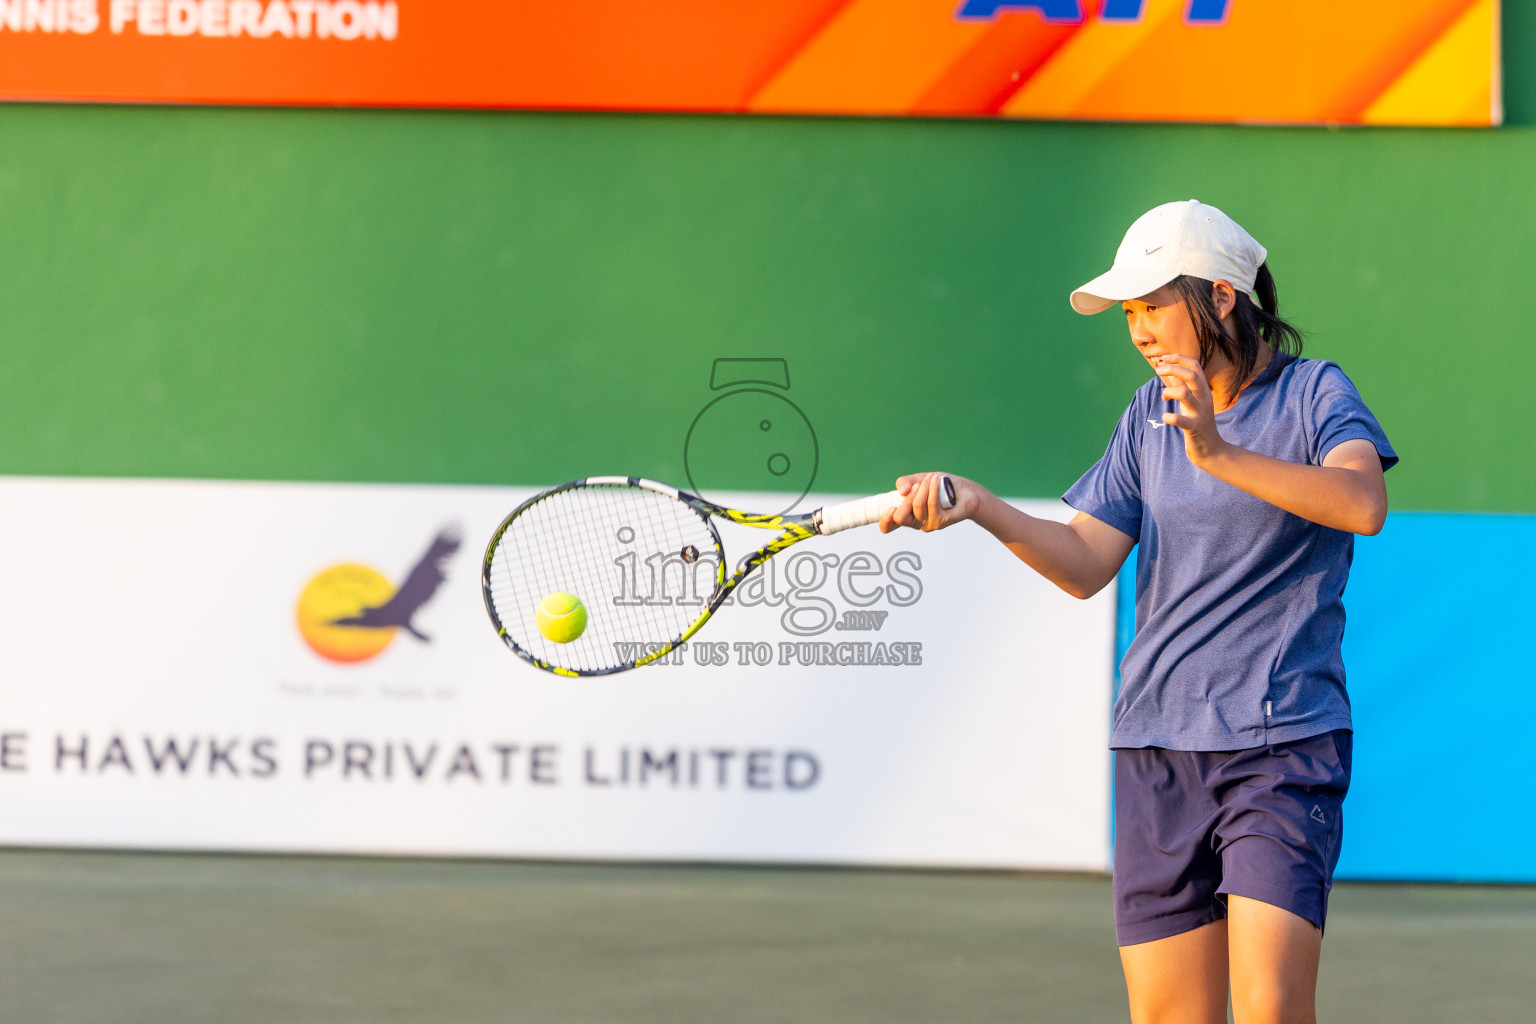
[[644, 559]]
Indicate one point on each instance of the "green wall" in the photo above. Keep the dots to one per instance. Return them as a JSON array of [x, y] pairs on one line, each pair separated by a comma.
[[528, 297]]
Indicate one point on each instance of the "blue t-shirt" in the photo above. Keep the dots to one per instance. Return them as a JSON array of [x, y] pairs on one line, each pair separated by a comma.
[[1239, 604]]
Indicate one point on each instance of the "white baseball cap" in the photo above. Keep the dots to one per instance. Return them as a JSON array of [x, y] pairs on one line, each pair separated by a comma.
[[1168, 241]]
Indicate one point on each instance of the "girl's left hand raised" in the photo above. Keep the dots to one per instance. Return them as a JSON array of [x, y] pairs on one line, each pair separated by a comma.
[[1184, 382]]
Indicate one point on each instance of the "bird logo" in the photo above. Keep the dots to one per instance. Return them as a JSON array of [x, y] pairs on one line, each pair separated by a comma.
[[349, 613]]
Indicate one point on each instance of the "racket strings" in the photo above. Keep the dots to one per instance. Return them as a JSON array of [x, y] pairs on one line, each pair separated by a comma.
[[619, 549]]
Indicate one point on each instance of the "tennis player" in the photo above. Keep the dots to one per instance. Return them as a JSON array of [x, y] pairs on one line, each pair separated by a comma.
[[1243, 472]]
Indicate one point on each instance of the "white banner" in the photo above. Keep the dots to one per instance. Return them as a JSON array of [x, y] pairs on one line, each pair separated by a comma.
[[172, 679]]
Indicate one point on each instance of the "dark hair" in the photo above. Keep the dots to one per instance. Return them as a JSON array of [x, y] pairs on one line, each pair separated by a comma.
[[1252, 325]]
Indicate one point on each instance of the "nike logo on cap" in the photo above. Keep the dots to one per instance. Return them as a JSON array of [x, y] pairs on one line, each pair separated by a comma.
[[1149, 252]]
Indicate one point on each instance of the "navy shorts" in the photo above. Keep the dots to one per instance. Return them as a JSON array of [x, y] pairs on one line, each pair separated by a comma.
[[1194, 826]]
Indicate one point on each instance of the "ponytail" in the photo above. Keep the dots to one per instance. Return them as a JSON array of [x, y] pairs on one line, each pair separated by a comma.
[[1252, 325], [1281, 336]]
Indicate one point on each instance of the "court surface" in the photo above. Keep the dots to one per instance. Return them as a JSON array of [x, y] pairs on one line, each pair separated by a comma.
[[123, 938]]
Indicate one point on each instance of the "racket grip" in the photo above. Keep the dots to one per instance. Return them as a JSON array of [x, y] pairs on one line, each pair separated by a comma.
[[864, 511], [859, 512]]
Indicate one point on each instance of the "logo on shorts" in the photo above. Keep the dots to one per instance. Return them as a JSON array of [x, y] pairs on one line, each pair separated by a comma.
[[1317, 815]]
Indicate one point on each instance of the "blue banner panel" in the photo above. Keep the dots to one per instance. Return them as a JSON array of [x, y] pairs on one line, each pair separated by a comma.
[[1439, 670], [1439, 674]]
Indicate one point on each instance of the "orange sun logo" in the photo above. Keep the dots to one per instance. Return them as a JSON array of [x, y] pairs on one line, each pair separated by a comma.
[[349, 613], [343, 592]]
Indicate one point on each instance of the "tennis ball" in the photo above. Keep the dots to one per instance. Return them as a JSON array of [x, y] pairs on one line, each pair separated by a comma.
[[561, 617]]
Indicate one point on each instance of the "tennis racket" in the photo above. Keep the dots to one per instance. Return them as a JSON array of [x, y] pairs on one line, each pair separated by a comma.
[[644, 559]]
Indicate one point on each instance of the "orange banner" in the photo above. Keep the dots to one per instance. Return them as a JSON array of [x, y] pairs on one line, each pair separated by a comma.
[[1427, 62]]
